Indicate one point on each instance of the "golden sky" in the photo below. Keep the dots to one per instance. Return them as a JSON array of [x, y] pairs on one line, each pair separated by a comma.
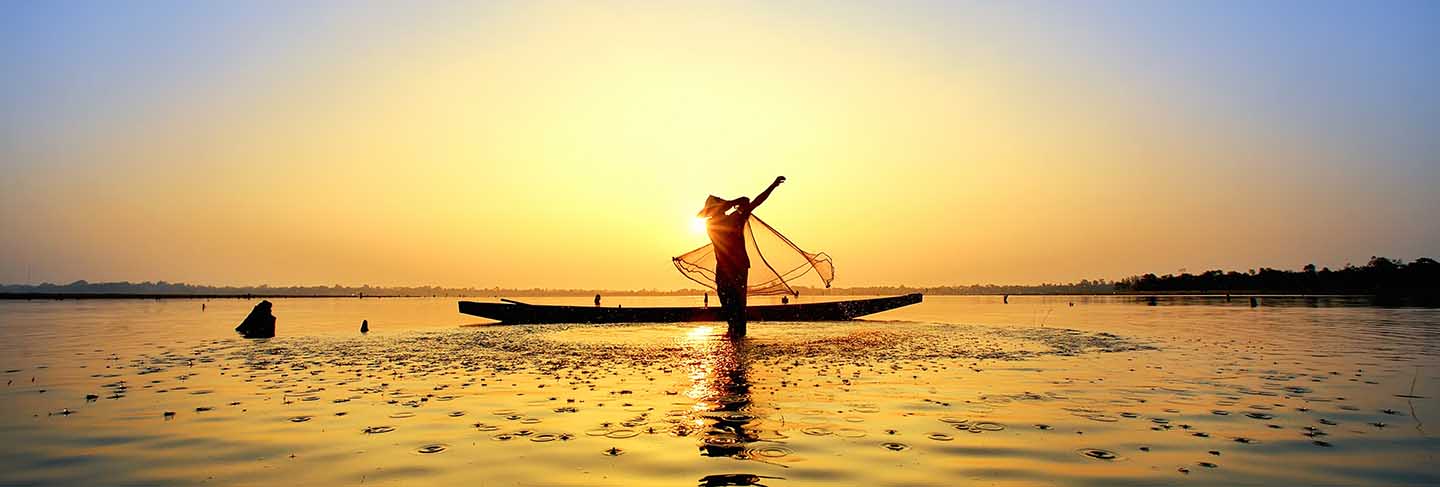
[[570, 144]]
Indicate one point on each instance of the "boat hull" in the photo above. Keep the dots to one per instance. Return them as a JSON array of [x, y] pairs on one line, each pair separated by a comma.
[[519, 313]]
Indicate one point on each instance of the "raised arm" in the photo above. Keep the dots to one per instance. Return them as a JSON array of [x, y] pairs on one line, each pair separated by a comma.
[[763, 195]]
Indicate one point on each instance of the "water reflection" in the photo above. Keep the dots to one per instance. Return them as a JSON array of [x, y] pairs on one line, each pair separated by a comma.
[[1077, 396], [733, 479], [717, 366]]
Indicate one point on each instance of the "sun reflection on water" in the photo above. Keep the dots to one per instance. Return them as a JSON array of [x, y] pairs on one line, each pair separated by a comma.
[[716, 365]]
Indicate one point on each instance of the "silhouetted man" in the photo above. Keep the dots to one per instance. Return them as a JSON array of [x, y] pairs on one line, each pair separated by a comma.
[[732, 262]]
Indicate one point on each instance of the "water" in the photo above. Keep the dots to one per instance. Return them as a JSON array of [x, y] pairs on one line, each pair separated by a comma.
[[955, 390]]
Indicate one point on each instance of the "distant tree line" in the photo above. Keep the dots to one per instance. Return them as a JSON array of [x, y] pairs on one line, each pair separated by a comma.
[[1379, 276], [162, 288], [1084, 286], [180, 289]]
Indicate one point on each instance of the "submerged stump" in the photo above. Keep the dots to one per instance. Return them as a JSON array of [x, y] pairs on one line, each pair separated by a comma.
[[259, 324]]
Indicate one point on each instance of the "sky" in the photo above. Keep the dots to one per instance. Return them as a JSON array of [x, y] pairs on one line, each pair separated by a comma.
[[570, 144]]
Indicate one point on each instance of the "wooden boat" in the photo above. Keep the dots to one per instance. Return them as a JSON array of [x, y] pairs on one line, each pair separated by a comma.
[[515, 312]]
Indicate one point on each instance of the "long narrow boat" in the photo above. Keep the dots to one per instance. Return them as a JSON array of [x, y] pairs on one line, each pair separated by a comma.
[[515, 312]]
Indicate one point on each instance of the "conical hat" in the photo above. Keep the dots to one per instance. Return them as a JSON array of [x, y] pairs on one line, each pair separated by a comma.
[[713, 204]]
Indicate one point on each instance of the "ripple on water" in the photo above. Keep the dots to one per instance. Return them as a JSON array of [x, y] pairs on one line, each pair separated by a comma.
[[939, 437], [817, 431], [375, 430], [720, 439], [432, 448], [894, 446], [769, 451], [1099, 454], [622, 434], [299, 419], [987, 426], [402, 415], [850, 433]]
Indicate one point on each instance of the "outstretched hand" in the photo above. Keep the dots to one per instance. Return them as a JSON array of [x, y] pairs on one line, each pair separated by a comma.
[[765, 194]]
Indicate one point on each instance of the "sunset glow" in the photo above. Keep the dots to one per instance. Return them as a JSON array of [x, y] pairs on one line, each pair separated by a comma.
[[945, 242], [555, 144]]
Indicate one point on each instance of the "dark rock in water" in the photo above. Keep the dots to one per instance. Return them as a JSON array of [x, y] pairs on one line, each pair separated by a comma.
[[364, 326], [260, 323]]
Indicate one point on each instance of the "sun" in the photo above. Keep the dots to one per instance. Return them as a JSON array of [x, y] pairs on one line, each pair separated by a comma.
[[697, 225]]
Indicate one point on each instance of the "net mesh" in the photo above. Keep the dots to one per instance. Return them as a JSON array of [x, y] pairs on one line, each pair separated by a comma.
[[775, 262]]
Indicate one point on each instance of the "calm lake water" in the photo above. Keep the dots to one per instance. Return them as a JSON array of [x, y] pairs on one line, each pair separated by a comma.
[[956, 390]]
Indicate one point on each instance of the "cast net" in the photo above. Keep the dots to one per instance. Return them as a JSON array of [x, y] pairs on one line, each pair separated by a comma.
[[775, 262]]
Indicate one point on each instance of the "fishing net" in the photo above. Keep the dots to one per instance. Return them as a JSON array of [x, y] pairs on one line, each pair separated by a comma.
[[775, 262]]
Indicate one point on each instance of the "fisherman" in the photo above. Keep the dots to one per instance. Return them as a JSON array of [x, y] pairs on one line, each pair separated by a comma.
[[597, 300], [707, 299], [732, 263]]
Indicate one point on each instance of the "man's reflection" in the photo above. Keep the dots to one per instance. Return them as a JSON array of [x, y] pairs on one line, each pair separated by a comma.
[[721, 392]]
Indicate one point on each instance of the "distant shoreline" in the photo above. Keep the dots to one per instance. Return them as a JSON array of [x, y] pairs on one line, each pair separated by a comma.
[[65, 296]]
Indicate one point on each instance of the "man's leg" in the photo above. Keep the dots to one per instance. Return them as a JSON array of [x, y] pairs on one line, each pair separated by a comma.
[[723, 291], [737, 305]]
